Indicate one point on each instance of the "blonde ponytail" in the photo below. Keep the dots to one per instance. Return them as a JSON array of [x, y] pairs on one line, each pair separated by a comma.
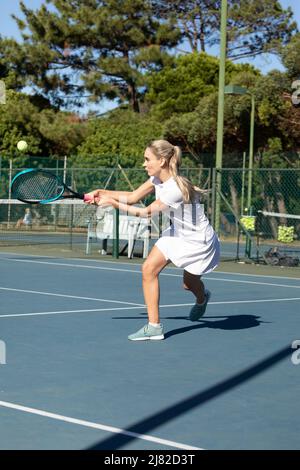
[[172, 155]]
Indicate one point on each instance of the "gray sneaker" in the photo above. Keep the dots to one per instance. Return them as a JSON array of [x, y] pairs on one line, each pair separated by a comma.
[[148, 332], [199, 309]]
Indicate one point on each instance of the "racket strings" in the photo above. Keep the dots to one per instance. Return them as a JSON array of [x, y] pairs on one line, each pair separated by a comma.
[[37, 186]]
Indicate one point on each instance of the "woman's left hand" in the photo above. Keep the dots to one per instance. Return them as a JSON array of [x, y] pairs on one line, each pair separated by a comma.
[[105, 201]]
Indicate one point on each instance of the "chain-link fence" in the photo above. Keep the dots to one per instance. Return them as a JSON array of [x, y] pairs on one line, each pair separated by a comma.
[[246, 203], [263, 209]]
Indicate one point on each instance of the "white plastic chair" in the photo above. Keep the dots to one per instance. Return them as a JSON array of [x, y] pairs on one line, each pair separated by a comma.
[[101, 228]]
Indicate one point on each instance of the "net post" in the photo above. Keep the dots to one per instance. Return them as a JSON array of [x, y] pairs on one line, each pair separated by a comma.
[[248, 246], [237, 257], [71, 226], [116, 233]]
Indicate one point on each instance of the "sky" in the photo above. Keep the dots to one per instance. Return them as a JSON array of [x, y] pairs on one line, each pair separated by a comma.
[[8, 28]]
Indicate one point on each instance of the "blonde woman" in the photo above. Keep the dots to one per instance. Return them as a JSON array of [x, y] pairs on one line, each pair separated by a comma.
[[190, 242]]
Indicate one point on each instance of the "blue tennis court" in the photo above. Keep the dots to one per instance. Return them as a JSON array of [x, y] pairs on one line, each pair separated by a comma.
[[70, 379]]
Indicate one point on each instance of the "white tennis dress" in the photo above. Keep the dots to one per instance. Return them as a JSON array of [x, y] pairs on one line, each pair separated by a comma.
[[190, 241]]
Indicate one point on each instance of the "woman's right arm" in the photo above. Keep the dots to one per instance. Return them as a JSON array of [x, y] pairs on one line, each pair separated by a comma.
[[131, 197]]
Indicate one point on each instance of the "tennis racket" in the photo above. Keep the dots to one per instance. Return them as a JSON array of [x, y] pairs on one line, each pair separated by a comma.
[[41, 187]]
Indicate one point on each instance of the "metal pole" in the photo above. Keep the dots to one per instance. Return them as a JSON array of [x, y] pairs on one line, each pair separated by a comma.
[[251, 146], [243, 184], [250, 175], [9, 192], [116, 233], [213, 197], [219, 149], [56, 206]]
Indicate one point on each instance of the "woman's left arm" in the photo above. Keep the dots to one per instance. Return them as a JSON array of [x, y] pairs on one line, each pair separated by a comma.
[[154, 208]]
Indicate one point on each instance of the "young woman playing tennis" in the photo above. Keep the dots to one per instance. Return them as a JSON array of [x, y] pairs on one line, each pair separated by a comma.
[[189, 242]]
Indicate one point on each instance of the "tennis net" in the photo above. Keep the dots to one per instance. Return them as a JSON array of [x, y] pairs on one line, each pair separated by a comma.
[[62, 222]]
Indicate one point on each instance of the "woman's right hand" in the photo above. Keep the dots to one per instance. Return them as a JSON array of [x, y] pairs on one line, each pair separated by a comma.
[[93, 196]]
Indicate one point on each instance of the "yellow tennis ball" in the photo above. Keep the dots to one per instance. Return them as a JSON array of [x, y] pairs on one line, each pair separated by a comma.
[[22, 145]]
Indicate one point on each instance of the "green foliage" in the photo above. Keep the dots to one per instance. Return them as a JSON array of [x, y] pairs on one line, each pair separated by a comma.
[[18, 121], [276, 120], [269, 92], [196, 131], [48, 132], [11, 58], [254, 26], [179, 87], [93, 47], [291, 57], [272, 155], [120, 137], [63, 131]]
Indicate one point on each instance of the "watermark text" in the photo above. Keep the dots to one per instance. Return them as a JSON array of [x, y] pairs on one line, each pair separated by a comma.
[[2, 352], [296, 354]]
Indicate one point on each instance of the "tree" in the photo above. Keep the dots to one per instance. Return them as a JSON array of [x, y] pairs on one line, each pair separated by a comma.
[[256, 26], [47, 131], [179, 87], [10, 66], [290, 57], [199, 21], [276, 124], [19, 121], [93, 48], [119, 137], [62, 131]]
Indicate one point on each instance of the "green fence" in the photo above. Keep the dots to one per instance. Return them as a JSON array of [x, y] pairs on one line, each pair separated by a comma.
[[266, 214], [245, 227]]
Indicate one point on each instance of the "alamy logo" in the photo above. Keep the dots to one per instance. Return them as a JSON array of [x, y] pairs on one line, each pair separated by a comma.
[[296, 354], [2, 352], [296, 93]]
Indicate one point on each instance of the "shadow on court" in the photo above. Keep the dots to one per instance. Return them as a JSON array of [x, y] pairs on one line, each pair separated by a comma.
[[143, 427], [234, 322]]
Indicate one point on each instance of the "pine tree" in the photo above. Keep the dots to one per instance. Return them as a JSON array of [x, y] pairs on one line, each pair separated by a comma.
[[92, 48], [253, 26]]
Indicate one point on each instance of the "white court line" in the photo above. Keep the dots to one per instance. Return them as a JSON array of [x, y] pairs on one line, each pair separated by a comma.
[[161, 274], [76, 265], [70, 296], [257, 275], [32, 314], [58, 312], [236, 302], [90, 424], [253, 282], [139, 264]]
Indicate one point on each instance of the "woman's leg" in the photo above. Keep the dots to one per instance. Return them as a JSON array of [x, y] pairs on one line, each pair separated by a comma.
[[151, 269], [193, 283]]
